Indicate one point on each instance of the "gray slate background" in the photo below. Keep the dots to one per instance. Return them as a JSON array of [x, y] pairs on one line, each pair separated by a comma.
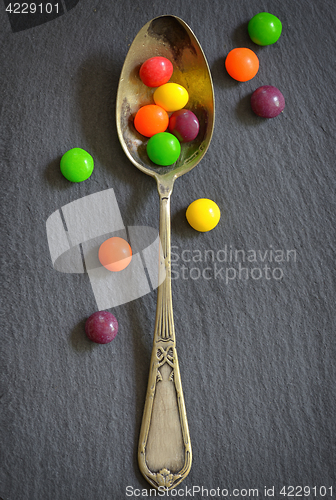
[[258, 356]]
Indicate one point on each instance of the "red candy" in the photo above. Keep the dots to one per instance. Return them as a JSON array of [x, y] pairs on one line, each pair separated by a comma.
[[156, 71]]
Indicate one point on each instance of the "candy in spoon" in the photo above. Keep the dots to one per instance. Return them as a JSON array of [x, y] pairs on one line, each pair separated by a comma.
[[184, 125], [171, 96], [150, 120], [163, 149], [156, 71]]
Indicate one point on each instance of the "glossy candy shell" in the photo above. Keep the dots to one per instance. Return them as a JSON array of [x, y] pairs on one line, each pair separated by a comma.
[[150, 120], [264, 29], [156, 71], [203, 214], [267, 101], [242, 64], [184, 125], [101, 327], [76, 165], [163, 149], [171, 96]]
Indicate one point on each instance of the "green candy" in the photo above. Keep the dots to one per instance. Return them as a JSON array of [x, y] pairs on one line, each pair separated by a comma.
[[264, 29], [163, 149], [76, 165]]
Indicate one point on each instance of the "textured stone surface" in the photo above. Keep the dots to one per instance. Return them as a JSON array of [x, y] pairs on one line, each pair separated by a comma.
[[257, 356]]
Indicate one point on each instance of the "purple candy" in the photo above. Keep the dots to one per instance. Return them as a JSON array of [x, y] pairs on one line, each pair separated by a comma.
[[184, 125], [267, 101], [101, 327]]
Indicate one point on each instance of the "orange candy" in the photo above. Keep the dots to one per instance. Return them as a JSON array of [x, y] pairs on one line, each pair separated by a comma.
[[150, 120], [115, 254], [242, 64]]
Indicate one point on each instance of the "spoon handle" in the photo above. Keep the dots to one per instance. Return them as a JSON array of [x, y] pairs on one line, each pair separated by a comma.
[[164, 452]]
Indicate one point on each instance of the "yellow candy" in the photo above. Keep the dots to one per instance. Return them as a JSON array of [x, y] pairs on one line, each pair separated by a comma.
[[203, 214], [171, 96]]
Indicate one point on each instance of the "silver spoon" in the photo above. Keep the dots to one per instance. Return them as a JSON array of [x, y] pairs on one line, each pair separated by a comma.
[[164, 452]]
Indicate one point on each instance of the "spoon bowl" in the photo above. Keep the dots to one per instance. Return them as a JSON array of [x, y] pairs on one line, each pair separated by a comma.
[[164, 452], [170, 37]]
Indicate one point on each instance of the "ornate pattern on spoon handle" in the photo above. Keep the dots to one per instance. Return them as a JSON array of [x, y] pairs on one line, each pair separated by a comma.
[[164, 447]]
